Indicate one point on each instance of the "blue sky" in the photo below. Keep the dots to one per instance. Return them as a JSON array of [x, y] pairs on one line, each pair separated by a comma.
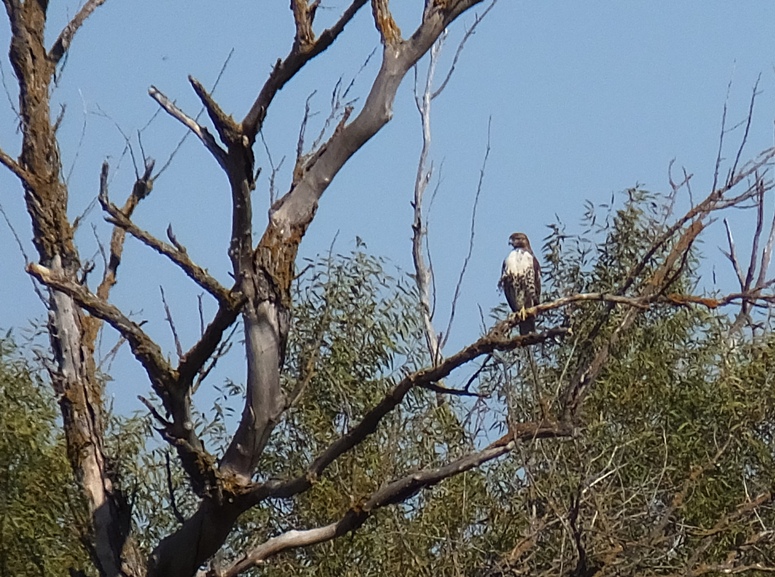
[[586, 99]]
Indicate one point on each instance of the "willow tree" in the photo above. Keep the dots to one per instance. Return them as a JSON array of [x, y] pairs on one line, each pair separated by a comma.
[[38, 526], [233, 483]]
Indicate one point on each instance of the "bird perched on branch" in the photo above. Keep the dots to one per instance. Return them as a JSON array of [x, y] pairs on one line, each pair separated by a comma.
[[521, 280]]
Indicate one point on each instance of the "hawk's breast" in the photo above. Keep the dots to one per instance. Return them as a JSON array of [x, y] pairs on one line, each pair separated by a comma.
[[519, 263]]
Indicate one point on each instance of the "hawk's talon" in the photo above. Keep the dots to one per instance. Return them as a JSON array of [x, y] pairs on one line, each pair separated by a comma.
[[522, 314]]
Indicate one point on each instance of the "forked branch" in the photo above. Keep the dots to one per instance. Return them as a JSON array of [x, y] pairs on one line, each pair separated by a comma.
[[286, 69], [174, 253], [200, 131], [754, 281], [392, 493], [677, 241]]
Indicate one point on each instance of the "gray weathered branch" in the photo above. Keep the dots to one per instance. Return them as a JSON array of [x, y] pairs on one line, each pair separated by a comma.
[[163, 378], [200, 131], [65, 37], [397, 491], [284, 70], [200, 276]]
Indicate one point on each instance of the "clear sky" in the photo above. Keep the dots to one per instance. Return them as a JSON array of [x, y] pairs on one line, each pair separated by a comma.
[[586, 99]]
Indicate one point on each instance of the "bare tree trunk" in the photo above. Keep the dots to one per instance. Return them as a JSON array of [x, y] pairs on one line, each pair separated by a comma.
[[73, 371]]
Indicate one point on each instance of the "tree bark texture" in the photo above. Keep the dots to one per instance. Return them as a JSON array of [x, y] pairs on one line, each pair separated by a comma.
[[263, 274], [73, 371]]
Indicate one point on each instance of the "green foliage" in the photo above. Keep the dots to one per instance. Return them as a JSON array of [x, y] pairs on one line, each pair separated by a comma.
[[355, 333], [38, 499], [675, 440]]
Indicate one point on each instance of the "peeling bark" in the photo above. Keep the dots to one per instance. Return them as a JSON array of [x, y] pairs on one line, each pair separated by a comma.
[[261, 298], [263, 274], [73, 370]]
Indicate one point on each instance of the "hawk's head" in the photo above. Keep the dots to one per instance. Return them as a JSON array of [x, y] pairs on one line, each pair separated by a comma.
[[519, 240]]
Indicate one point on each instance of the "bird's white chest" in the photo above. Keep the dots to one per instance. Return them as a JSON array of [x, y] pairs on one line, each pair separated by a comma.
[[518, 262]]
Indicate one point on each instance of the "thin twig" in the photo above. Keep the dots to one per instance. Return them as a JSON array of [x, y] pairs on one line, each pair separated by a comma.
[[23, 252], [470, 32], [171, 491], [732, 256], [171, 323], [463, 269], [749, 119], [196, 118]]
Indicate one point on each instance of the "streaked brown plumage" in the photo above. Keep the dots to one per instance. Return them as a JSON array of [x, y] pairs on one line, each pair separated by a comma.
[[521, 280]]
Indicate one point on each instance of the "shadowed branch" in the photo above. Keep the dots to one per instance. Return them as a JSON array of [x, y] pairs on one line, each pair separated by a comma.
[[65, 37]]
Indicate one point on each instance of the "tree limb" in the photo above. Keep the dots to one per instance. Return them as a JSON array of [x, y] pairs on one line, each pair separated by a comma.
[[65, 37], [200, 131], [146, 351], [286, 69], [395, 492], [224, 124], [164, 379], [27, 178], [200, 276], [142, 187], [422, 272]]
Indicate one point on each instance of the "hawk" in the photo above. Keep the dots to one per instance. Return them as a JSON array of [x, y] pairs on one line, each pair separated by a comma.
[[521, 280]]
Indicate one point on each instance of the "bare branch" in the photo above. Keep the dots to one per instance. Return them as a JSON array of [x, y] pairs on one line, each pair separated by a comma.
[[201, 132], [296, 208], [171, 491], [164, 380], [20, 245], [274, 170], [62, 43], [493, 341], [267, 272], [146, 351], [223, 347], [764, 266], [140, 190], [195, 358], [171, 323], [224, 124], [744, 139], [732, 255], [27, 178], [472, 232], [419, 230], [286, 69], [756, 236], [441, 390], [177, 254], [149, 405], [722, 132], [395, 492], [713, 202], [303, 128], [469, 33], [196, 118], [659, 281]]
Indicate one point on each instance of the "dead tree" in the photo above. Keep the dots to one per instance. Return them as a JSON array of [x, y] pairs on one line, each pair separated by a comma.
[[262, 271], [260, 296]]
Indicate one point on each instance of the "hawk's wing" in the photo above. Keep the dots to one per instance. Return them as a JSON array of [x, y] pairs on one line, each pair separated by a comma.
[[537, 280], [507, 284]]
